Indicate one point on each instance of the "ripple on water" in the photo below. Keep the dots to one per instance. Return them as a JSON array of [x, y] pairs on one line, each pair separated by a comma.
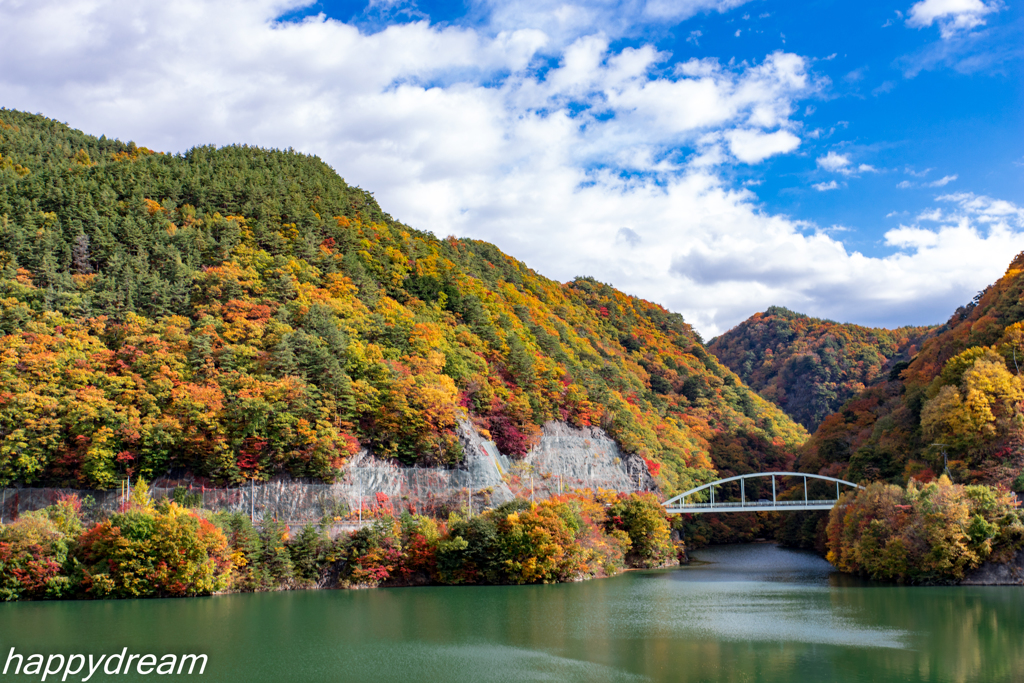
[[761, 593], [484, 663]]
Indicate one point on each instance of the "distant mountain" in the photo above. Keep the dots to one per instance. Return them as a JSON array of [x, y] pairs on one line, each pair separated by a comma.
[[241, 312], [959, 399], [808, 366]]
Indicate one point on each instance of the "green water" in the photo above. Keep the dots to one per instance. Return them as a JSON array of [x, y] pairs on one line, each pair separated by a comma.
[[747, 613]]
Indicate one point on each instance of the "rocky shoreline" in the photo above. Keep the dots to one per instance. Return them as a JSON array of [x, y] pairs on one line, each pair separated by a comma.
[[998, 574]]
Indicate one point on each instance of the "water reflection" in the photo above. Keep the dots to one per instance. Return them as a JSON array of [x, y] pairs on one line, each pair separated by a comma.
[[746, 613]]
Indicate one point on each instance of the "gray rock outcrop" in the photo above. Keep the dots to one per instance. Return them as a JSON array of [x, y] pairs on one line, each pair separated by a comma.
[[992, 574]]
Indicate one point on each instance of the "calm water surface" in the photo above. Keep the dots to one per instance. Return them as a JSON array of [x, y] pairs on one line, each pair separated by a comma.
[[744, 613]]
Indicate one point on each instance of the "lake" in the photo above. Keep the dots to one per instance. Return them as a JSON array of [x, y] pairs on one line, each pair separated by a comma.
[[739, 613]]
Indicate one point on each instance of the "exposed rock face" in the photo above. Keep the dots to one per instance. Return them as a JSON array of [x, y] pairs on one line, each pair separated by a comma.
[[566, 458], [588, 458], [992, 574]]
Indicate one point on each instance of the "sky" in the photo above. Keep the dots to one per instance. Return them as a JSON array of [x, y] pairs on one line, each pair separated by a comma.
[[858, 161]]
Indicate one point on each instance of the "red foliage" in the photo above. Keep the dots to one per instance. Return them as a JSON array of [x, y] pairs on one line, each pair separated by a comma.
[[507, 436], [72, 499], [249, 456], [29, 566], [653, 467], [420, 557]]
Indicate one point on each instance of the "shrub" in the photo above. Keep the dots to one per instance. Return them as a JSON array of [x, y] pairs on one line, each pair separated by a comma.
[[642, 518], [169, 552], [933, 534]]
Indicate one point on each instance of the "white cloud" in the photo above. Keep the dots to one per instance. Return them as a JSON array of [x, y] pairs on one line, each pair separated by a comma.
[[469, 132], [840, 163], [824, 187], [834, 162], [986, 209], [753, 146], [953, 16], [912, 238], [943, 181]]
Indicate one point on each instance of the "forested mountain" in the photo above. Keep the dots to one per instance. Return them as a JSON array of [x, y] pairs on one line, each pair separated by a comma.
[[808, 366], [240, 312], [961, 395]]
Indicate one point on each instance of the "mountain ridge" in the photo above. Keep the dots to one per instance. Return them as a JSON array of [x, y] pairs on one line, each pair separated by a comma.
[[241, 312], [811, 366]]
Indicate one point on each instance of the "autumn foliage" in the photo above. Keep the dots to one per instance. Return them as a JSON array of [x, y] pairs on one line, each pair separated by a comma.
[[165, 550], [239, 313], [565, 538], [808, 366], [932, 533]]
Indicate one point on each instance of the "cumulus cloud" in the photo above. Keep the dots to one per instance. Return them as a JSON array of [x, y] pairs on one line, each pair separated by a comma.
[[825, 187], [834, 162], [540, 137], [953, 16], [752, 146]]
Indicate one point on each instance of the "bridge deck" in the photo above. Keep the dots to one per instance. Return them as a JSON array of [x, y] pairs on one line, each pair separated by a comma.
[[751, 506]]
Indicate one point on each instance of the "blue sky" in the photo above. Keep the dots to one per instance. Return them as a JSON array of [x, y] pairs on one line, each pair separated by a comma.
[[857, 161]]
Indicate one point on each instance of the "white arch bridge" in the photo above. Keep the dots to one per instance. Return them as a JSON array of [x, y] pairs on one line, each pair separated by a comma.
[[678, 504]]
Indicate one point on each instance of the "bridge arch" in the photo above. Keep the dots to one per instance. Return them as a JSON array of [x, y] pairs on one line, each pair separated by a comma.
[[678, 504]]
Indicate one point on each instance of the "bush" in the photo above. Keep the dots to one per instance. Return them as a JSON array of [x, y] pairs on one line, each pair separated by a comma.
[[32, 554], [642, 518], [170, 552], [538, 546], [933, 534]]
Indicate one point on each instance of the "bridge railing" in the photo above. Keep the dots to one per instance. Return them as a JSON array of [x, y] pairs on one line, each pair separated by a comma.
[[749, 504], [678, 503]]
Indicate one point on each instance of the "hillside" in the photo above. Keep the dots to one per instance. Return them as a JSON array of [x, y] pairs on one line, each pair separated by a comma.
[[961, 395], [808, 366], [242, 312]]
